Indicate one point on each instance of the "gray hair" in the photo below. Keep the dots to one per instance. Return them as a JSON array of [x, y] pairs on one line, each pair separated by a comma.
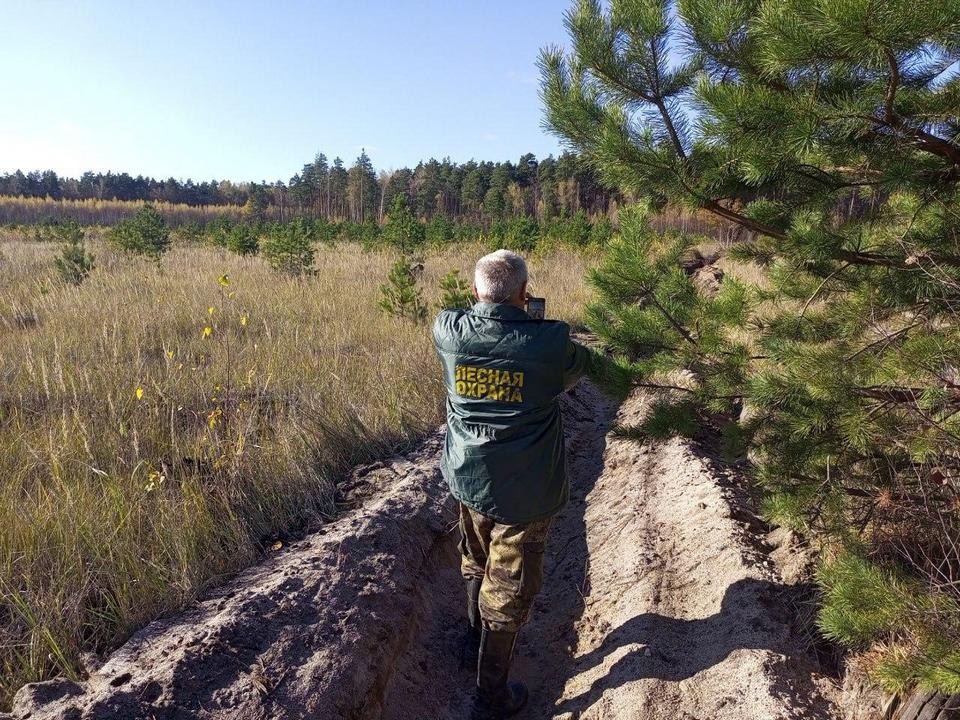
[[499, 276]]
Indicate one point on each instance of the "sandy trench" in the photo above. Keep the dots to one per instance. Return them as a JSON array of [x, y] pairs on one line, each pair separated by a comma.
[[659, 601]]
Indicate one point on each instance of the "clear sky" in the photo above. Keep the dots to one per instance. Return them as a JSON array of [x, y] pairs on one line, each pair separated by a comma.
[[246, 90]]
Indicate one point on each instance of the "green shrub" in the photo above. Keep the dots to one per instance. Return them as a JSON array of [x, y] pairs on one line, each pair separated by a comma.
[[401, 229], [455, 291], [439, 231], [325, 231], [289, 248], [467, 232], [243, 239], [601, 232], [73, 263], [575, 229], [827, 135], [401, 296], [862, 601], [218, 231], [521, 234], [146, 233], [191, 231]]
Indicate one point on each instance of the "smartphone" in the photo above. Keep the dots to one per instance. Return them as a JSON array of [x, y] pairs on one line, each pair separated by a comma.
[[537, 308]]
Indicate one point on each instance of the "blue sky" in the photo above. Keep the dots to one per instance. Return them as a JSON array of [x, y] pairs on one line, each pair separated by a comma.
[[251, 90]]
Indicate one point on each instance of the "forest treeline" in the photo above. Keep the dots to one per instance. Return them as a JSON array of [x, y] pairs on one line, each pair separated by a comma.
[[475, 192]]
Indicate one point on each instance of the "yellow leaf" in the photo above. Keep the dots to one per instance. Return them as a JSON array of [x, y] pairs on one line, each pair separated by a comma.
[[224, 280], [207, 331], [139, 393], [243, 320], [211, 310], [277, 545], [170, 354]]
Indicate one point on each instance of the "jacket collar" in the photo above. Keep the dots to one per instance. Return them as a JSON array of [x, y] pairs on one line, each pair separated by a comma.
[[499, 311]]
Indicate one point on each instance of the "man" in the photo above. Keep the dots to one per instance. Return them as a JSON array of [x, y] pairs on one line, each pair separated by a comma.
[[503, 459]]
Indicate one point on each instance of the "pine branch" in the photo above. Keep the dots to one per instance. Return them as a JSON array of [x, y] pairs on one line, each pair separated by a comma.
[[891, 85], [820, 287], [886, 340], [684, 333], [662, 386], [928, 142], [661, 105]]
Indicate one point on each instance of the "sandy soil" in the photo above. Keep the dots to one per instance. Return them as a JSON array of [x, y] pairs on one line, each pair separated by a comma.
[[657, 602], [660, 601]]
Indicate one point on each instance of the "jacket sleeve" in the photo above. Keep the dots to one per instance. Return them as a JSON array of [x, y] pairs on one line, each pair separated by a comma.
[[438, 330], [576, 363]]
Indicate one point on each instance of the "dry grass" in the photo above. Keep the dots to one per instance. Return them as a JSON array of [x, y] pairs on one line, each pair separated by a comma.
[[143, 461], [27, 210]]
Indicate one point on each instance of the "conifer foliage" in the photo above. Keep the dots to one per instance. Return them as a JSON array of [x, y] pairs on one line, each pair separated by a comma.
[[289, 248], [401, 296], [146, 233], [74, 263], [829, 132], [454, 292]]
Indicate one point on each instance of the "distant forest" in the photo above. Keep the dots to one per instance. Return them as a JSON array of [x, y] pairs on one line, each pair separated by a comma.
[[470, 192]]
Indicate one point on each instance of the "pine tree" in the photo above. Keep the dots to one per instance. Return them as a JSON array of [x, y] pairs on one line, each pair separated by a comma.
[[257, 203], [401, 229], [402, 296], [146, 233], [73, 262], [829, 132], [454, 292], [243, 239], [363, 189], [289, 248]]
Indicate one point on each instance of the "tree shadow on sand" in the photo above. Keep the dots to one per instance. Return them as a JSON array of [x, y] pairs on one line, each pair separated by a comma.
[[665, 648]]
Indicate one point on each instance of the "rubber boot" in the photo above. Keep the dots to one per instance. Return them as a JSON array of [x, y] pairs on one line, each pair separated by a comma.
[[496, 698], [470, 647]]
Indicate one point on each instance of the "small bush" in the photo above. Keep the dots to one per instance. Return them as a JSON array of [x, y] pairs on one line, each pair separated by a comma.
[[218, 231], [289, 248], [146, 233], [439, 231], [73, 263], [455, 291], [191, 231], [243, 240], [402, 229], [601, 231], [575, 229], [520, 234], [467, 232], [324, 231], [402, 296]]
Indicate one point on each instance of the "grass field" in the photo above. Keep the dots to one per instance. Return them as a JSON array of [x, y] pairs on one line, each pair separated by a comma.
[[161, 426]]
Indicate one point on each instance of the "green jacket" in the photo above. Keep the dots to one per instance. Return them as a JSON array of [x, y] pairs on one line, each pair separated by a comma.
[[504, 453]]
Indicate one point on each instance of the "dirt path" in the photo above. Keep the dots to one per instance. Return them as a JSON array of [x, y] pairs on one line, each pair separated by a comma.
[[657, 603]]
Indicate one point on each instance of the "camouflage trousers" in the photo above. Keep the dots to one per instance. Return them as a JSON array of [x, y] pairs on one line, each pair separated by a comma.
[[508, 559]]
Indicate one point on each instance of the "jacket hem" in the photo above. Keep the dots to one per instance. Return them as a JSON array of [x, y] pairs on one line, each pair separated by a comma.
[[507, 521]]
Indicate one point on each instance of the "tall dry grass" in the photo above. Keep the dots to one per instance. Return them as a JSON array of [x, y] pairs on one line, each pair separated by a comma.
[[28, 210], [160, 427]]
